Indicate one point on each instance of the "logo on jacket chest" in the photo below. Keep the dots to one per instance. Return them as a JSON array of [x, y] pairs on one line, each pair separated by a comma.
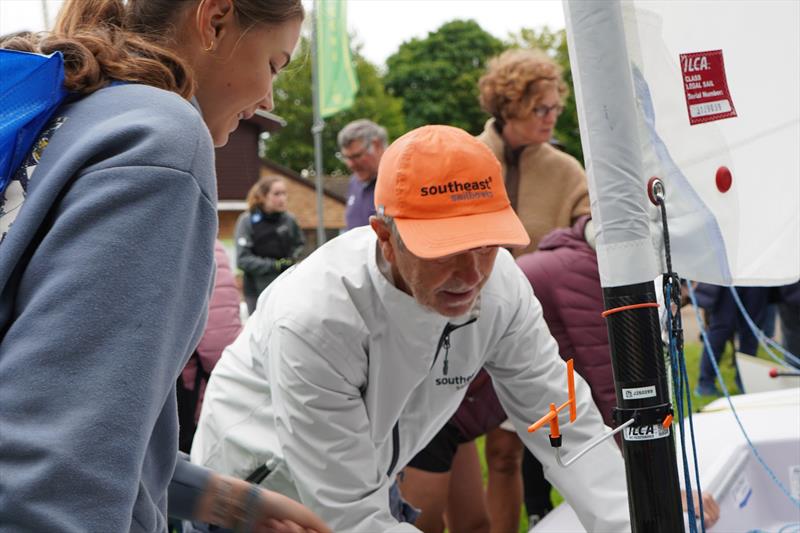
[[458, 381]]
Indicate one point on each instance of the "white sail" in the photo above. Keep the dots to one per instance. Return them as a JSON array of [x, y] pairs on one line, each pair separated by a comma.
[[683, 91]]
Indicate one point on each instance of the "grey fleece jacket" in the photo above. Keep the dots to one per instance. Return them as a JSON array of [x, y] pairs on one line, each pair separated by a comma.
[[104, 281]]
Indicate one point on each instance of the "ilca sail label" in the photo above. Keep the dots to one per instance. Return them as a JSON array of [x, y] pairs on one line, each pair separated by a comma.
[[706, 86]]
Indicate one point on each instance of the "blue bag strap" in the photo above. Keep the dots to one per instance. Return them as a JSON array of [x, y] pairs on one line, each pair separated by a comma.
[[31, 89]]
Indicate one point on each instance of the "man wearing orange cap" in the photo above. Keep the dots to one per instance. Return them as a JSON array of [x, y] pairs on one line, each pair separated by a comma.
[[356, 358]]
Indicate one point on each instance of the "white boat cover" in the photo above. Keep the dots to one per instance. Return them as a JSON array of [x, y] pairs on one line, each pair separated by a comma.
[[684, 91]]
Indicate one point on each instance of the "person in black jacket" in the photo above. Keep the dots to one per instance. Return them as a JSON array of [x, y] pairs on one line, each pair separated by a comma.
[[268, 239]]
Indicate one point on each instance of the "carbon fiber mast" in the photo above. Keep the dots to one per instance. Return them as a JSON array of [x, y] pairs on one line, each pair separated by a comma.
[[640, 381], [641, 384]]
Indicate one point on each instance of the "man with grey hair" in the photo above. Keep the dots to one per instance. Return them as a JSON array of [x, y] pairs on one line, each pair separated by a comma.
[[361, 145]]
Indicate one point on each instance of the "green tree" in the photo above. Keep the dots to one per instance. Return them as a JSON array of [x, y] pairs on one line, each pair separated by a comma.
[[293, 146], [437, 77], [554, 43]]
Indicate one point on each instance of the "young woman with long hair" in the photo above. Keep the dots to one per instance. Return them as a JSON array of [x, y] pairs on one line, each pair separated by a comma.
[[107, 260]]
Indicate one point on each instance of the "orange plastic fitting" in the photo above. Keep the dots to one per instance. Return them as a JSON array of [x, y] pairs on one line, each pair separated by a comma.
[[552, 416]]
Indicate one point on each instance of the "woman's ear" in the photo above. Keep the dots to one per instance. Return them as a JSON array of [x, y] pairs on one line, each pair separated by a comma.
[[213, 18]]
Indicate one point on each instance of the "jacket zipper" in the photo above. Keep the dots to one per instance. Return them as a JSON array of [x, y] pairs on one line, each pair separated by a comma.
[[444, 342], [395, 448]]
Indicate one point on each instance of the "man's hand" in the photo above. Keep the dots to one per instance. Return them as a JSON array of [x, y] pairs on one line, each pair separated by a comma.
[[710, 507]]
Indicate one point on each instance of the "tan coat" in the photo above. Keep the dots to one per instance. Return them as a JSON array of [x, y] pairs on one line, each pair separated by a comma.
[[553, 191]]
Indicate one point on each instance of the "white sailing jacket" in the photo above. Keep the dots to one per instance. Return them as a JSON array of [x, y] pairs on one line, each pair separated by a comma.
[[339, 379]]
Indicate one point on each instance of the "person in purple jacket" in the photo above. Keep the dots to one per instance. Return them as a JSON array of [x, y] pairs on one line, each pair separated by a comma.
[[361, 145]]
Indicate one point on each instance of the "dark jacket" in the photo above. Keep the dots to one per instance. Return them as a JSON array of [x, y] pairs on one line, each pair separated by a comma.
[[707, 295], [565, 279], [790, 294], [266, 245]]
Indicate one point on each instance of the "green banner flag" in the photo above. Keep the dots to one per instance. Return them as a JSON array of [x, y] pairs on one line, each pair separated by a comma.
[[336, 82]]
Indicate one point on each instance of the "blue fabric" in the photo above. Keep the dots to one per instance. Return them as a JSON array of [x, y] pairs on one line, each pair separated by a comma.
[[31, 88], [790, 328], [186, 487], [726, 322], [401, 510], [789, 309]]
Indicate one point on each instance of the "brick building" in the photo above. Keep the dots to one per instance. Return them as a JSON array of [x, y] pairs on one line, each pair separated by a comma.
[[239, 167]]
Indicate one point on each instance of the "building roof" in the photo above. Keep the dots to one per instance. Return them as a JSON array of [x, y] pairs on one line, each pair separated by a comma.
[[338, 184], [330, 184]]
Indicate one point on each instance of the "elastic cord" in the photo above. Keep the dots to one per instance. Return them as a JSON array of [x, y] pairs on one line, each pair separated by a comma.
[[608, 312]]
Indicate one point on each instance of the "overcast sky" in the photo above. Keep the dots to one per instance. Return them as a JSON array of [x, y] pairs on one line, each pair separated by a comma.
[[379, 25]]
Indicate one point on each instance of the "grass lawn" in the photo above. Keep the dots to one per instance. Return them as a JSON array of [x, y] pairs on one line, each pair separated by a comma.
[[692, 350]]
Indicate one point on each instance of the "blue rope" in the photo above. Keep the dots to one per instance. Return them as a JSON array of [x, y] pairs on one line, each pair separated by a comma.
[[685, 376], [762, 337], [781, 349], [750, 444], [680, 385]]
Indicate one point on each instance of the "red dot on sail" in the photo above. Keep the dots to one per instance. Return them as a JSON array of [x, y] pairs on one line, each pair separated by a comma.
[[724, 179]]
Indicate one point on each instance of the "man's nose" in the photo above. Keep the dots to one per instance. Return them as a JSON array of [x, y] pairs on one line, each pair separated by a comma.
[[466, 269]]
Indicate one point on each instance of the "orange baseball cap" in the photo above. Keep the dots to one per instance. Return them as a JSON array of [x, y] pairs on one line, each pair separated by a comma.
[[444, 188]]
